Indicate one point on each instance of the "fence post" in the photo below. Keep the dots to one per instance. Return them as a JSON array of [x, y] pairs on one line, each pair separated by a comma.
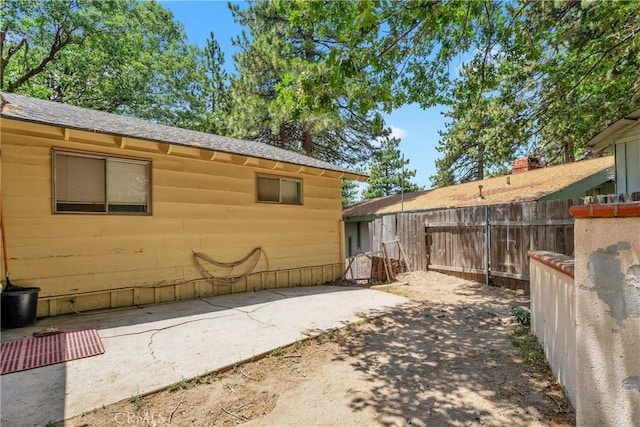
[[487, 245]]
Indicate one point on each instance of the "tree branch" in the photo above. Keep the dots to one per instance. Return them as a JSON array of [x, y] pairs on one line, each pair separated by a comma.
[[60, 41]]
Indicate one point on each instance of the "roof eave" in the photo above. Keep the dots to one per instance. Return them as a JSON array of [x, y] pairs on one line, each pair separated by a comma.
[[581, 186], [360, 218], [356, 177], [344, 173], [606, 138]]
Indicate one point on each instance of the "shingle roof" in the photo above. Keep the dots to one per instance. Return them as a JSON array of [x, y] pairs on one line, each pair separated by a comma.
[[528, 186], [54, 113]]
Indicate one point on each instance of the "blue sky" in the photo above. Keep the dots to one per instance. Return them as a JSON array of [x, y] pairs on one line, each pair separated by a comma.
[[417, 128]]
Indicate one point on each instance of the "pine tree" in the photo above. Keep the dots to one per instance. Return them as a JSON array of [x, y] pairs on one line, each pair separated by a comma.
[[349, 192], [279, 98], [215, 85], [387, 175]]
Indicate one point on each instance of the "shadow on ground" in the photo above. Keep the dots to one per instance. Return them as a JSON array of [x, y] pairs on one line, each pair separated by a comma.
[[451, 362], [151, 347]]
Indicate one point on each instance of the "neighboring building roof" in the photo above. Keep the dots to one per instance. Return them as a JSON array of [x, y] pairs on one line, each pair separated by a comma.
[[28, 109], [614, 131], [563, 181], [380, 205]]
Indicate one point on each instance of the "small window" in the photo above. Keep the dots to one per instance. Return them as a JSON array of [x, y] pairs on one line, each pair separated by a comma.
[[88, 183], [273, 189]]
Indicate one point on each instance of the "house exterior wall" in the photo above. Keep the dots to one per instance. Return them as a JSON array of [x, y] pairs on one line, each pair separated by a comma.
[[627, 151], [607, 277], [351, 238], [198, 204], [356, 237], [365, 242], [553, 318]]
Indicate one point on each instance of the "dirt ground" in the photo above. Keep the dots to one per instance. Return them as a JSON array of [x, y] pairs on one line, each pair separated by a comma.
[[447, 359]]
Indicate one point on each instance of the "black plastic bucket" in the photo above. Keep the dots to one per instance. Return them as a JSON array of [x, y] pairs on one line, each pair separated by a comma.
[[19, 306]]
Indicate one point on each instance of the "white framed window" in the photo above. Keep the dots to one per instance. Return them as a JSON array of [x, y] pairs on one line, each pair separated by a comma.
[[93, 183], [275, 189]]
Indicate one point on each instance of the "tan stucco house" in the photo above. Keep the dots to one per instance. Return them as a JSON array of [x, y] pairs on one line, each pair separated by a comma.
[[103, 210]]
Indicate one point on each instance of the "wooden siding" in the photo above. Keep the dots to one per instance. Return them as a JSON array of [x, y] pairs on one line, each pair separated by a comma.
[[198, 205]]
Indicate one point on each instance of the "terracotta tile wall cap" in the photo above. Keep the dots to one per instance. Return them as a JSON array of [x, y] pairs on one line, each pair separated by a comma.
[[560, 262], [612, 210]]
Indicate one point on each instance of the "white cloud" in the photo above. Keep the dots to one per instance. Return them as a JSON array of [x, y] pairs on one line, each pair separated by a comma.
[[396, 132], [399, 133]]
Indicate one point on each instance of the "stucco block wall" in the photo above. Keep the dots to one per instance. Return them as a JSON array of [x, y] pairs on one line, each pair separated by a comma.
[[607, 276], [198, 204], [553, 321]]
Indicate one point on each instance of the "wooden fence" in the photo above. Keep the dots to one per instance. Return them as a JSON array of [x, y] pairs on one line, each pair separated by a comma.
[[488, 243], [409, 229]]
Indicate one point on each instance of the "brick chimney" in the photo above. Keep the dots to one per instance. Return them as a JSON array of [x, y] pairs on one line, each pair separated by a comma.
[[525, 164]]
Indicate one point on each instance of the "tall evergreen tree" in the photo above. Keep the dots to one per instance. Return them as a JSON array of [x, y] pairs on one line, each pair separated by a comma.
[[349, 192], [388, 175], [215, 89], [278, 57]]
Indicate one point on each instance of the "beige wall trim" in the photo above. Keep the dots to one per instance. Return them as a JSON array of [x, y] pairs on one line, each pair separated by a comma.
[[128, 296]]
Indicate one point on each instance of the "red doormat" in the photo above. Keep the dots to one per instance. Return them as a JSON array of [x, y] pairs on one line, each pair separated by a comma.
[[35, 352]]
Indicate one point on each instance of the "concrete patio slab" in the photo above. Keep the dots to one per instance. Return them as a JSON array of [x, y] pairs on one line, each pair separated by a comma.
[[149, 348]]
